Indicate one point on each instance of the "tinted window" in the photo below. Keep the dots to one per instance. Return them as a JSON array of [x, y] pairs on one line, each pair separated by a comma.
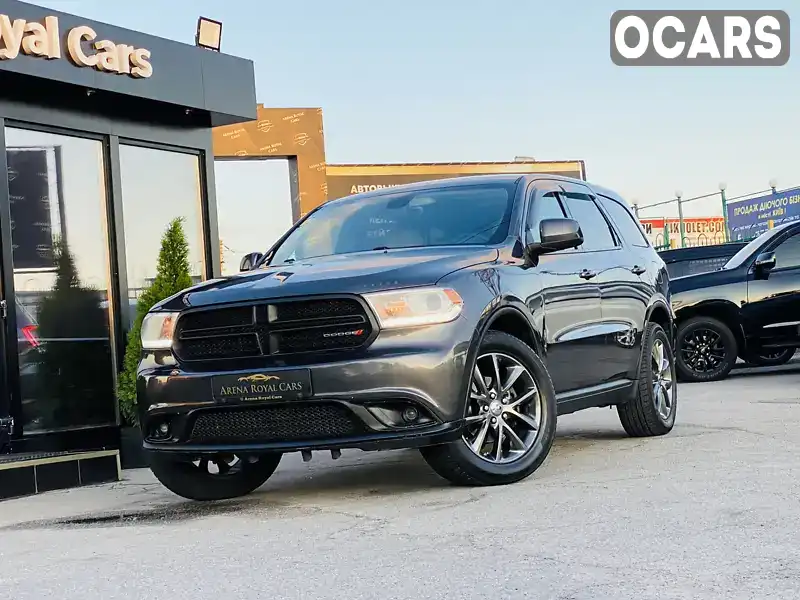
[[738, 259], [596, 232], [626, 223], [787, 255], [543, 207], [449, 216]]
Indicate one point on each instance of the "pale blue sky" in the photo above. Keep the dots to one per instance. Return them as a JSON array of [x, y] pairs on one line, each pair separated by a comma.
[[471, 80]]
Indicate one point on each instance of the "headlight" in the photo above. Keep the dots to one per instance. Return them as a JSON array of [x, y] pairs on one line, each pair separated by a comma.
[[415, 307], [157, 330]]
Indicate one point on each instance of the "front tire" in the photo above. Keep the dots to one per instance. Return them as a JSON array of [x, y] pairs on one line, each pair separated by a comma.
[[214, 478], [510, 422], [652, 411], [706, 350]]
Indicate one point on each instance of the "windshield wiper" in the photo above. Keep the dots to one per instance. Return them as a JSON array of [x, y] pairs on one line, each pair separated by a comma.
[[381, 248]]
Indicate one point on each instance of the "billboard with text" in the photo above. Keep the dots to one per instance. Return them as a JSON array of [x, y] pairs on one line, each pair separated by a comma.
[[750, 218], [344, 180], [697, 231]]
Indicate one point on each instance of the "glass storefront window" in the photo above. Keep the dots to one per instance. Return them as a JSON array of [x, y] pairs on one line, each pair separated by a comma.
[[157, 187], [61, 272]]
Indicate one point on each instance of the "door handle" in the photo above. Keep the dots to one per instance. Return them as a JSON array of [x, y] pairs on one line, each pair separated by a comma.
[[637, 270], [587, 274]]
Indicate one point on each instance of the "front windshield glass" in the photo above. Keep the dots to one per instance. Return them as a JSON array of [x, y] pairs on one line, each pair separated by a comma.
[[446, 216], [738, 259]]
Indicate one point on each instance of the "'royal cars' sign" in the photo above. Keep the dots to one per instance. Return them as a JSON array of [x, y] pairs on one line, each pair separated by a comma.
[[43, 40]]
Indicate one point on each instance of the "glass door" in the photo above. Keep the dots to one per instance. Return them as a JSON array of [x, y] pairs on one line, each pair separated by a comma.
[[5, 393], [63, 375]]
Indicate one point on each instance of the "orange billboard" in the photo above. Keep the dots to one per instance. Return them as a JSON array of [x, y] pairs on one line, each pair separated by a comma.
[[697, 231], [296, 135], [344, 180]]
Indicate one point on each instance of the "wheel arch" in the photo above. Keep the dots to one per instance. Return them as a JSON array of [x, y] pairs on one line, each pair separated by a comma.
[[659, 312], [509, 318], [722, 310]]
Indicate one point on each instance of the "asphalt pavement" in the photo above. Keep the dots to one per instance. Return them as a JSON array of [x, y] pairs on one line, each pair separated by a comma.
[[709, 511]]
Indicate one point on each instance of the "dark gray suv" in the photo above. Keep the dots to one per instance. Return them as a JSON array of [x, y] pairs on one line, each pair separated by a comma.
[[458, 316]]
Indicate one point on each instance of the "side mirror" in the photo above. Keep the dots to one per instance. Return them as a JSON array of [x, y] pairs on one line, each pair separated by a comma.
[[249, 261], [555, 235], [765, 262]]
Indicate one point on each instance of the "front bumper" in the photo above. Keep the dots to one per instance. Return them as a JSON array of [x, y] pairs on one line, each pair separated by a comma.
[[357, 402]]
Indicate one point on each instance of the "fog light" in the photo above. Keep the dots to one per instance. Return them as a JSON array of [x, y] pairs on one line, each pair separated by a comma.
[[161, 431], [410, 414]]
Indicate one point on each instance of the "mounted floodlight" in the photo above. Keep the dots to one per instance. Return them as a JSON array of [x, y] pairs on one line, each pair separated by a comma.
[[209, 34]]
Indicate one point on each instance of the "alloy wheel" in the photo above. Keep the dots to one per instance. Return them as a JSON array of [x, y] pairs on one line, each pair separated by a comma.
[[703, 350], [663, 384], [219, 464], [504, 412], [774, 355]]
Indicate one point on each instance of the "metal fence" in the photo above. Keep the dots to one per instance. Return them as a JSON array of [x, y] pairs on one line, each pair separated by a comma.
[[663, 240], [701, 239]]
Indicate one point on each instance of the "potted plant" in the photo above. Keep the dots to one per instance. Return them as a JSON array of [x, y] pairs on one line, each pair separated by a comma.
[[172, 276]]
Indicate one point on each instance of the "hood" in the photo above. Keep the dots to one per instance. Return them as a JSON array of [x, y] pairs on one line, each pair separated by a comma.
[[687, 283], [726, 285], [357, 273]]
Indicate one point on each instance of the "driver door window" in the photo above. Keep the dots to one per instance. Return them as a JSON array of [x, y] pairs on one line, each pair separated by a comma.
[[596, 231], [546, 206], [787, 255]]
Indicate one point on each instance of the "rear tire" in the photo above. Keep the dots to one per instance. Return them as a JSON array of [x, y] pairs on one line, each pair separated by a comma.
[[521, 419], [196, 481], [706, 350], [652, 411], [770, 360]]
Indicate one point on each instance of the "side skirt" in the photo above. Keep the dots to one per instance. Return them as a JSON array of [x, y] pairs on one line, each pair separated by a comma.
[[606, 394]]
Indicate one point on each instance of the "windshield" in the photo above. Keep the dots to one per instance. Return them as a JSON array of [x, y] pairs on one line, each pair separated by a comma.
[[447, 216], [738, 259]]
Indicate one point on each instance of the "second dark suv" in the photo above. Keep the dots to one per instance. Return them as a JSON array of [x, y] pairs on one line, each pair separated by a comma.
[[749, 308], [459, 316]]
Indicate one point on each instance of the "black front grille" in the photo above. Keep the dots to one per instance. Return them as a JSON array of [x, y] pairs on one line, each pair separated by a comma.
[[270, 329], [276, 424]]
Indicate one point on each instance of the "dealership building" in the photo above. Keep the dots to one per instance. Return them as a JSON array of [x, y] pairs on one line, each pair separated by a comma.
[[107, 136], [297, 136]]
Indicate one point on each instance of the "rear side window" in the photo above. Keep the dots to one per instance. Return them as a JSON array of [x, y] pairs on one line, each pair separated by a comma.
[[596, 231], [626, 223]]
